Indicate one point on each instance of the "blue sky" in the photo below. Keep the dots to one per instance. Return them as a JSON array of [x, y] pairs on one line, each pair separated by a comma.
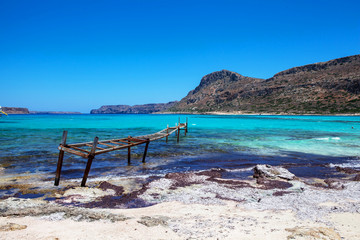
[[78, 55]]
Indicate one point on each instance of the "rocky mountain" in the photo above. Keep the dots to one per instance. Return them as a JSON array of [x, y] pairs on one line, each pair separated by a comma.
[[15, 110], [326, 88], [126, 109]]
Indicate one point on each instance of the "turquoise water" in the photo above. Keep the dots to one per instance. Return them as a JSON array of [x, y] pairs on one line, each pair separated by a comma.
[[308, 145]]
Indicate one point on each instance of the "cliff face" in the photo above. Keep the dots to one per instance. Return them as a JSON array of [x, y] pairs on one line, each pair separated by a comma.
[[126, 109], [328, 87], [15, 110]]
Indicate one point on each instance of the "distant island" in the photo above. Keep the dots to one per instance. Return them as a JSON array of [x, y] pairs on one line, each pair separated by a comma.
[[18, 110], [53, 112], [136, 109], [331, 87], [15, 110]]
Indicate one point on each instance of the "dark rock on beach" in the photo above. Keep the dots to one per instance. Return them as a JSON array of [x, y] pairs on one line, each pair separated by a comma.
[[267, 171]]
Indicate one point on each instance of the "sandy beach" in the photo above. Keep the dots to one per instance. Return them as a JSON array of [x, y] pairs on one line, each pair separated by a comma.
[[192, 205]]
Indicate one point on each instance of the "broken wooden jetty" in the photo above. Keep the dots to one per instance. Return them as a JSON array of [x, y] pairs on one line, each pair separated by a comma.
[[90, 149]]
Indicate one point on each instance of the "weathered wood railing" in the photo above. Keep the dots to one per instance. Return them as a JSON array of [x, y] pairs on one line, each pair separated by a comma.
[[82, 149]]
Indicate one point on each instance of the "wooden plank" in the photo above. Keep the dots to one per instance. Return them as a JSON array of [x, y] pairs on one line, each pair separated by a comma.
[[105, 144], [137, 139], [124, 140], [65, 149], [80, 144], [117, 148], [118, 143], [80, 149], [89, 145]]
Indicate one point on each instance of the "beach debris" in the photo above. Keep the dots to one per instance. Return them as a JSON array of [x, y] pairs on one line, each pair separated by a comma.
[[154, 221], [106, 185], [268, 171], [347, 170], [84, 194], [184, 179], [356, 178], [313, 233], [53, 211], [267, 184], [11, 227], [334, 184]]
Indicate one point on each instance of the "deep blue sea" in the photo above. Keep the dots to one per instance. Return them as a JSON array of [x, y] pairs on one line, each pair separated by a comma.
[[309, 146]]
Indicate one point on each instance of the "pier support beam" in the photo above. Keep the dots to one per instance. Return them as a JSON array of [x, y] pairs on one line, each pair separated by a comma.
[[129, 152], [60, 160], [178, 134], [145, 151], [89, 162], [167, 131]]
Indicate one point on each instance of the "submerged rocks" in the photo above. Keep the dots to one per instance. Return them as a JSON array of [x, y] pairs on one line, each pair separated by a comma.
[[267, 171]]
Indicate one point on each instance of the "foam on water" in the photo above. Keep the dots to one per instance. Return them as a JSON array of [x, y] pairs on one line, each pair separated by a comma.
[[353, 163]]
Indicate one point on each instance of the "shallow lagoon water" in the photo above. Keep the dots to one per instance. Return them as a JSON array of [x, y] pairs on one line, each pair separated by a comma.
[[310, 146]]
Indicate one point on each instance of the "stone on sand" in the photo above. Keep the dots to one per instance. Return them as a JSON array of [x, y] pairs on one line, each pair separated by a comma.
[[268, 171]]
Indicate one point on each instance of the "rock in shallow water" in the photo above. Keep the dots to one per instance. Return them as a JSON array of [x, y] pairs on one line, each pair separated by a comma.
[[267, 171]]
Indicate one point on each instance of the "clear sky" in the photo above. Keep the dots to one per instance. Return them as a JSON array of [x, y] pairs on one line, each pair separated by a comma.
[[69, 55]]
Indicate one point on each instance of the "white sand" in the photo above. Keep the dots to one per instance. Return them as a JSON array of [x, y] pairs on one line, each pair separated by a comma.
[[186, 221]]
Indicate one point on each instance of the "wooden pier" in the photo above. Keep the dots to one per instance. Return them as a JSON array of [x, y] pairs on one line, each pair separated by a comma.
[[90, 149]]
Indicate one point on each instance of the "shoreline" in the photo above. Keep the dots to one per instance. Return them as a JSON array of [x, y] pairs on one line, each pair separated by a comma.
[[200, 204], [256, 114]]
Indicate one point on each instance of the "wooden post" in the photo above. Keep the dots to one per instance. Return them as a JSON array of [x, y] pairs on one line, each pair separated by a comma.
[[60, 160], [89, 162], [145, 151], [178, 133], [167, 131], [129, 152], [186, 126]]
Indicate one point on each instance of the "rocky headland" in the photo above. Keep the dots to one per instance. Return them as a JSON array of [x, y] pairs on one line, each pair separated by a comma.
[[15, 110], [136, 109], [331, 87]]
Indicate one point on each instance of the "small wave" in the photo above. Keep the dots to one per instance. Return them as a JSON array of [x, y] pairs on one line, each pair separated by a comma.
[[349, 164], [240, 169], [327, 138]]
